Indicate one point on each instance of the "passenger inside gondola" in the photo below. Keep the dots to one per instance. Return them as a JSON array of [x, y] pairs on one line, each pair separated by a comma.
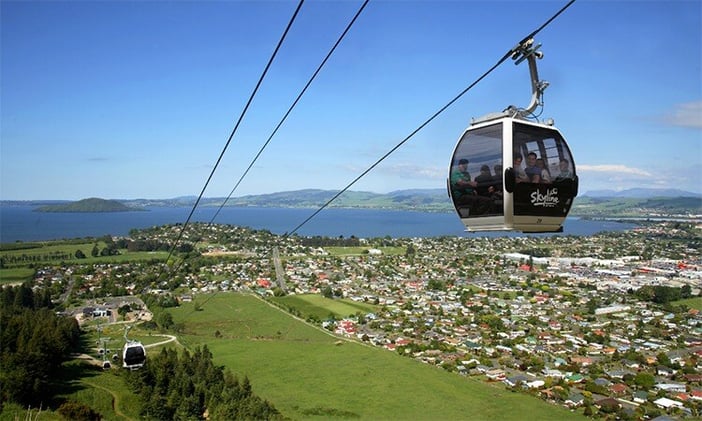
[[565, 171], [545, 175], [531, 170], [519, 174], [464, 193], [485, 182]]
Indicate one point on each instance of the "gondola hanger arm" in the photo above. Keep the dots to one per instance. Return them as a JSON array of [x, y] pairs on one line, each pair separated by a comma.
[[529, 51]]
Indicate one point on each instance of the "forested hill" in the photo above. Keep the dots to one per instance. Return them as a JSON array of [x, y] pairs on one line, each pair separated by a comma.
[[88, 205]]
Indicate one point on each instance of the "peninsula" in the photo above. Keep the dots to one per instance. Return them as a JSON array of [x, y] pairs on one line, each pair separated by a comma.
[[89, 205]]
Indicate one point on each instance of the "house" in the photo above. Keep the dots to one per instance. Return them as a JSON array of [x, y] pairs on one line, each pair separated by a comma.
[[630, 363], [552, 372], [618, 388], [671, 387], [535, 384], [559, 362], [495, 374], [575, 400], [640, 396], [665, 403], [618, 374], [583, 361], [608, 404], [601, 381], [662, 370], [575, 378], [101, 312], [515, 380]]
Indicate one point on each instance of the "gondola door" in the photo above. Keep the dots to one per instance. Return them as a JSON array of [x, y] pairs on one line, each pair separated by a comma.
[[541, 183]]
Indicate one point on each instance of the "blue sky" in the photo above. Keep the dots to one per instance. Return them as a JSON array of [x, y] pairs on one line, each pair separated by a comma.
[[136, 99]]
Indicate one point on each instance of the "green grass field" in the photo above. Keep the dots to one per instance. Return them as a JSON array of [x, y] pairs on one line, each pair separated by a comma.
[[308, 374], [320, 307], [695, 303], [16, 275], [52, 252]]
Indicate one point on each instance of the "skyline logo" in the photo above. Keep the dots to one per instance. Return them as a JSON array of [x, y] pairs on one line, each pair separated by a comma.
[[548, 200]]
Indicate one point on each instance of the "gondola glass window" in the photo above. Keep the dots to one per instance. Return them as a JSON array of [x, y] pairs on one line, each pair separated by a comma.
[[550, 185], [476, 187]]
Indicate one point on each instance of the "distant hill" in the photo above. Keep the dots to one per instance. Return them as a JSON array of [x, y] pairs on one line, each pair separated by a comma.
[[88, 205], [641, 193], [426, 200], [633, 202]]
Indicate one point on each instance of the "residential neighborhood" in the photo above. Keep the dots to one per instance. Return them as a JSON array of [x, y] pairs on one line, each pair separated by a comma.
[[606, 324]]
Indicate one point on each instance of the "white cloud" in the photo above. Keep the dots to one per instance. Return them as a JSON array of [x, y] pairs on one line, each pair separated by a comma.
[[613, 170], [688, 114], [414, 171]]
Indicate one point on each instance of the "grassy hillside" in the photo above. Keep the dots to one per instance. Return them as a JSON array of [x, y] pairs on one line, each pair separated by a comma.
[[308, 374]]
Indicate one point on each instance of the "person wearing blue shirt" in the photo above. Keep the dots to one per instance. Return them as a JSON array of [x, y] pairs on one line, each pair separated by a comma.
[[532, 170]]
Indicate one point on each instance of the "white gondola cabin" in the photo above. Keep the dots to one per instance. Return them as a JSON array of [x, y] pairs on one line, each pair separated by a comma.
[[133, 355], [523, 176]]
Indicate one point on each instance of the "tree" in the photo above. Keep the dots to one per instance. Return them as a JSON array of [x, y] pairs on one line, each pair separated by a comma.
[[79, 254], [663, 359], [686, 291], [165, 320], [644, 380], [410, 250], [123, 310], [95, 251]]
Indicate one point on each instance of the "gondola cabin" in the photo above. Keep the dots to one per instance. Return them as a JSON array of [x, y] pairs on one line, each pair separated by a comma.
[[512, 174], [133, 355]]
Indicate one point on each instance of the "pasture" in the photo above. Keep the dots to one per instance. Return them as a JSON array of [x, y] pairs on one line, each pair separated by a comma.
[[310, 374], [322, 308], [16, 275], [22, 255], [695, 303]]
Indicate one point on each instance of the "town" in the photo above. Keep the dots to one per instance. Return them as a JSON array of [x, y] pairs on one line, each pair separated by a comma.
[[607, 324]]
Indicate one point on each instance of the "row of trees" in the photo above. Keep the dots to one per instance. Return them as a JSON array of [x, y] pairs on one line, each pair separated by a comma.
[[190, 386], [662, 294], [34, 341]]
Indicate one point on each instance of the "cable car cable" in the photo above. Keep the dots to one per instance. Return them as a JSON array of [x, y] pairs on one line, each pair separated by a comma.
[[302, 92], [314, 75], [241, 117], [515, 50], [285, 116]]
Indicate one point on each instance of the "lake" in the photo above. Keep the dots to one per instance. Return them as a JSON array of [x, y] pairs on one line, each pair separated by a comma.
[[21, 223]]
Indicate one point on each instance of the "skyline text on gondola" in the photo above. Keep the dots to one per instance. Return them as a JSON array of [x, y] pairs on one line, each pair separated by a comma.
[[548, 200]]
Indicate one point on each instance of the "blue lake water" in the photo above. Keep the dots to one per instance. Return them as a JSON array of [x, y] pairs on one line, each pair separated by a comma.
[[21, 223]]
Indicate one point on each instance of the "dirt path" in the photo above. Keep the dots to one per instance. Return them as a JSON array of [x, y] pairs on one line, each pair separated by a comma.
[[171, 338], [115, 399]]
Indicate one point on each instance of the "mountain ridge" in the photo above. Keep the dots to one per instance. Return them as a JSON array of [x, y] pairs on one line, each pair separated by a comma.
[[599, 202]]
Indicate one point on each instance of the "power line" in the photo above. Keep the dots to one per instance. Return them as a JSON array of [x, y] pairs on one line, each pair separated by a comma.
[[436, 114], [314, 75], [231, 136]]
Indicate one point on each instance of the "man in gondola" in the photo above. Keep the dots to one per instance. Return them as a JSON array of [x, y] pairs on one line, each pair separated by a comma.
[[532, 170], [463, 190]]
